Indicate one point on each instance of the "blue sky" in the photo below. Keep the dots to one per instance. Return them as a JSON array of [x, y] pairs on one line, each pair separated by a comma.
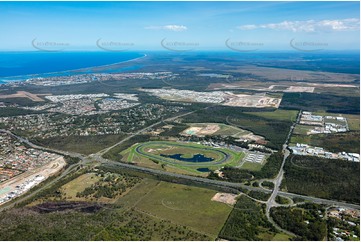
[[179, 25]]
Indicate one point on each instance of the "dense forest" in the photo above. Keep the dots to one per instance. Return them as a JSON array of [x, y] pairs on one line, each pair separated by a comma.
[[303, 220], [325, 178], [246, 221], [106, 224], [321, 101]]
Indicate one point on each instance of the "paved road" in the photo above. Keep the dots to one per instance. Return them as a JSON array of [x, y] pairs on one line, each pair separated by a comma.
[[83, 160], [278, 180], [110, 163], [105, 162], [320, 200], [102, 152], [26, 141]]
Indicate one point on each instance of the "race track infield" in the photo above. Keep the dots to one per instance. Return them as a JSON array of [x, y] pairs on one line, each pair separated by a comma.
[[181, 157]]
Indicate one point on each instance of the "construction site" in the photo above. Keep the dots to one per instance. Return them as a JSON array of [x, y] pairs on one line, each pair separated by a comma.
[[20, 184]]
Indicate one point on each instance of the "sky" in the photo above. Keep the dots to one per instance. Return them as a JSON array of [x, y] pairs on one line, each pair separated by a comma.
[[179, 26]]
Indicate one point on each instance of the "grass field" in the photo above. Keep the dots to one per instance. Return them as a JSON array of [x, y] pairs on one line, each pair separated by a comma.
[[352, 120], [279, 114], [131, 199], [336, 142], [252, 166], [78, 185], [151, 211], [183, 205], [149, 154], [302, 129]]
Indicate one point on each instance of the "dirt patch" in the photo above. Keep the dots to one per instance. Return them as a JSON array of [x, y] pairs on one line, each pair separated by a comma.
[[227, 198], [256, 100], [300, 89], [50, 207], [257, 138], [31, 96], [202, 131]]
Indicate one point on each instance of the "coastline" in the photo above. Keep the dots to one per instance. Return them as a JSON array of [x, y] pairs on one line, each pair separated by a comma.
[[26, 77]]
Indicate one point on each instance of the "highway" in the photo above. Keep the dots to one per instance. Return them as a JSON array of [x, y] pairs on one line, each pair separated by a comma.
[[97, 157], [102, 152], [278, 180], [110, 163]]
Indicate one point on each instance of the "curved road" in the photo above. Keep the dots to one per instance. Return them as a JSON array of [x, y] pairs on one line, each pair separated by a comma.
[[98, 157]]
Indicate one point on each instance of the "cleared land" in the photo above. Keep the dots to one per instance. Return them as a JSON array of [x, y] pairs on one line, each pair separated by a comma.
[[188, 206], [203, 129], [252, 166], [353, 121], [31, 178], [149, 210], [337, 142], [189, 158], [226, 198], [79, 184], [255, 100], [31, 96], [284, 86]]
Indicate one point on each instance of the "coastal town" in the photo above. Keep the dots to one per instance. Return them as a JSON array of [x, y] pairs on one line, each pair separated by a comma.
[[60, 80], [22, 168], [46, 125]]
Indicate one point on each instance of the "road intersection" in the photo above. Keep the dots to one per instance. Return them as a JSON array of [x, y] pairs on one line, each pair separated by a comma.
[[99, 160]]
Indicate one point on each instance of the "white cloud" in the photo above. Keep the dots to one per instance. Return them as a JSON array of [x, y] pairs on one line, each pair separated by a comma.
[[309, 25], [171, 27], [248, 27]]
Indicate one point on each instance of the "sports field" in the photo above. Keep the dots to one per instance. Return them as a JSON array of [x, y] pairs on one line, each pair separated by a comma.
[[186, 158]]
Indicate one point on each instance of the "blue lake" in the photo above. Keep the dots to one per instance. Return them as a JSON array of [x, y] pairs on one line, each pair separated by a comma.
[[203, 170], [195, 158]]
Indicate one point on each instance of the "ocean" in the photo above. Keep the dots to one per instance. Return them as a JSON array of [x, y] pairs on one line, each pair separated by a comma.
[[22, 65], [18, 66]]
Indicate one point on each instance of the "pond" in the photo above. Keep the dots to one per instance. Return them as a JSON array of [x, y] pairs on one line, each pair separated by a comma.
[[195, 158], [203, 170]]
